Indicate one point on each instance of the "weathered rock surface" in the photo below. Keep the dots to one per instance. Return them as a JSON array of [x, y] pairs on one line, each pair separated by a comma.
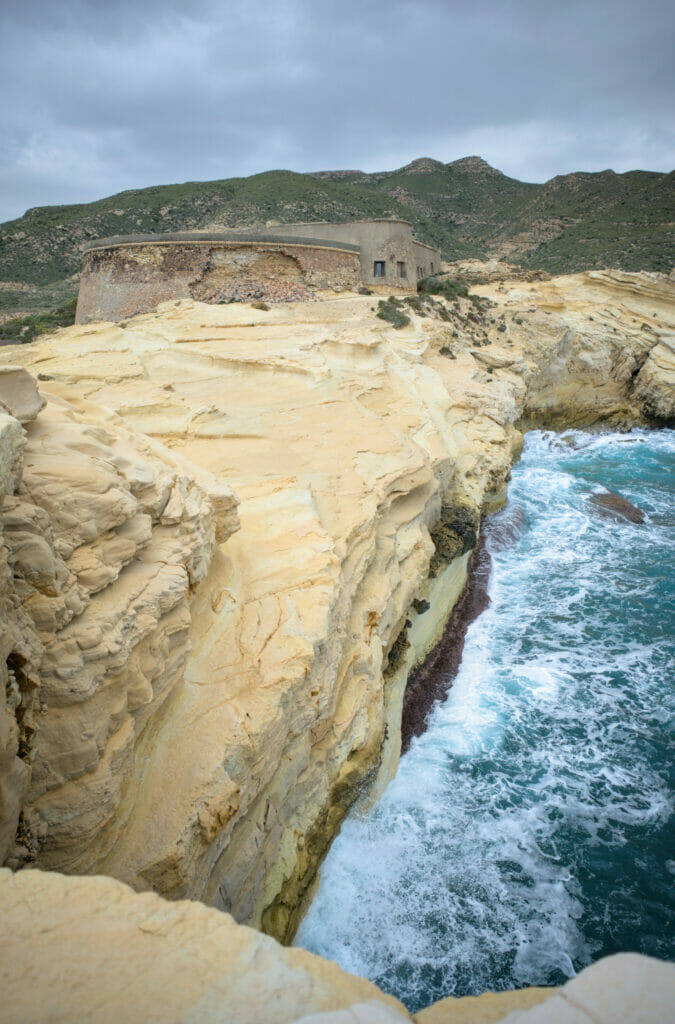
[[484, 271], [597, 347], [95, 951], [339, 440], [19, 395], [622, 989], [91, 950], [488, 1008], [197, 718], [17, 639], [102, 542]]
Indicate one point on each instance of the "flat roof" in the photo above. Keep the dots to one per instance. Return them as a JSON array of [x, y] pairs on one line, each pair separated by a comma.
[[425, 245], [206, 237], [369, 220], [345, 223]]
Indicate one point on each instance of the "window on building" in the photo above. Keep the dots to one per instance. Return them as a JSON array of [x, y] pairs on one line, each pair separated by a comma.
[[432, 268], [400, 269], [378, 268]]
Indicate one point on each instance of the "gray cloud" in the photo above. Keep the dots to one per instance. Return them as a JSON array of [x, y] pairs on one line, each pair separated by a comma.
[[101, 97]]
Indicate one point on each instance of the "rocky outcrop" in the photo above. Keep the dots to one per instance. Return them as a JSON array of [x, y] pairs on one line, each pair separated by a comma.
[[598, 348], [18, 395], [342, 444], [613, 506], [208, 712], [103, 542], [20, 654], [475, 271], [97, 952], [91, 950]]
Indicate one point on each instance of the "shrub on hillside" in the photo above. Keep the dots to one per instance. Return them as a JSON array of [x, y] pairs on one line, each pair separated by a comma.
[[22, 329], [391, 310], [448, 287]]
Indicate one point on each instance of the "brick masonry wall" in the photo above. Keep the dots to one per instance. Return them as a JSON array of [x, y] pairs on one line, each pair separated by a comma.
[[383, 240], [121, 280]]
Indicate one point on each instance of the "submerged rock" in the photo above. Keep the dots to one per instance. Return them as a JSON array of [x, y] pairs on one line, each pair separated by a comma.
[[506, 526], [609, 505]]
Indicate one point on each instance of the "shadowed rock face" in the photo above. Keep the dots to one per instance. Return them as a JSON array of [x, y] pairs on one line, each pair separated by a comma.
[[431, 681], [193, 709], [454, 534], [612, 506]]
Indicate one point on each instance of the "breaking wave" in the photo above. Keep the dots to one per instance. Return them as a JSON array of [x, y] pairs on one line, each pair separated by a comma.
[[528, 831]]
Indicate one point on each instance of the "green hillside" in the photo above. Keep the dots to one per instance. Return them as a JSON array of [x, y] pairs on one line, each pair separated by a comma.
[[467, 208]]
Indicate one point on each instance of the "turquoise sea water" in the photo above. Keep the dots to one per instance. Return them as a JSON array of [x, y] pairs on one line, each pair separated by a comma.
[[529, 831]]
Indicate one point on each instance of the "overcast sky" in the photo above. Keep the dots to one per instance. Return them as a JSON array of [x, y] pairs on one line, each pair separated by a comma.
[[104, 95]]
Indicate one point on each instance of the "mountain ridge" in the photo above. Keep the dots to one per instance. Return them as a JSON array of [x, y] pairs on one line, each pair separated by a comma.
[[578, 221]]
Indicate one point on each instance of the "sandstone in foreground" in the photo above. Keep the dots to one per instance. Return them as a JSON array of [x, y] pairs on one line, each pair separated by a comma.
[[95, 951], [91, 950]]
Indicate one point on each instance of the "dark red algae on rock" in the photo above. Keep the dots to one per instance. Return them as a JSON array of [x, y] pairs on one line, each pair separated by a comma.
[[431, 681]]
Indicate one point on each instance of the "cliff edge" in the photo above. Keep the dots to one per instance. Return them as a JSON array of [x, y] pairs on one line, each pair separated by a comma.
[[91, 950], [192, 707]]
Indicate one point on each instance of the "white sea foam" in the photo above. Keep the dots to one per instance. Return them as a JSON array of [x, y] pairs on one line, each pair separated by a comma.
[[517, 823]]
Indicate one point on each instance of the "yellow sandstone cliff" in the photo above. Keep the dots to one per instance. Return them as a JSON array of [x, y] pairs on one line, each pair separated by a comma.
[[194, 700]]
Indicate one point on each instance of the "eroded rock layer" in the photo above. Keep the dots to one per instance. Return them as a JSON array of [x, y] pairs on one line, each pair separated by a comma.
[[91, 950], [195, 714], [103, 542]]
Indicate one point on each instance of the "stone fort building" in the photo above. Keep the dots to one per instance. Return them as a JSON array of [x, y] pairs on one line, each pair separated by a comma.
[[132, 274]]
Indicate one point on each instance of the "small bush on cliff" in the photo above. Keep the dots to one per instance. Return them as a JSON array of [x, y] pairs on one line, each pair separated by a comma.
[[455, 533], [415, 303], [397, 652], [22, 329], [440, 310], [391, 311], [449, 287]]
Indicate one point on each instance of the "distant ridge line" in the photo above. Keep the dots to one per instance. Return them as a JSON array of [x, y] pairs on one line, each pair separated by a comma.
[[585, 220]]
